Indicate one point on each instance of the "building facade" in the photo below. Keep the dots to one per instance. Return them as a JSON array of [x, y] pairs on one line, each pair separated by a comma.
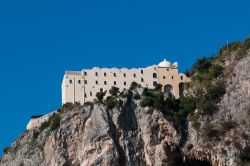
[[82, 86]]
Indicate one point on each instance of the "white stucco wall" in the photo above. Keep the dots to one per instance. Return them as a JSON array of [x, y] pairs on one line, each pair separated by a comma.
[[93, 80]]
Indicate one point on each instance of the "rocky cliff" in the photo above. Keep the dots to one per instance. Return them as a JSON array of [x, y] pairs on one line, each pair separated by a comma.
[[132, 134]]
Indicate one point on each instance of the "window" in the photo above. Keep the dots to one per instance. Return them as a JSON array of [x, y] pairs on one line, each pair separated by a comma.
[[85, 73], [70, 81], [105, 82], [154, 75], [114, 74], [85, 95], [124, 74], [79, 82], [125, 83], [172, 77], [101, 90], [164, 77], [105, 74], [86, 82], [154, 83], [90, 93], [134, 75], [96, 82], [181, 77], [142, 80], [167, 69], [96, 74], [114, 82], [141, 71]]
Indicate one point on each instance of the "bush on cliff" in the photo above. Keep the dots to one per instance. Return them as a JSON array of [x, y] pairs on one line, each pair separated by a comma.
[[53, 122], [100, 96], [6, 150]]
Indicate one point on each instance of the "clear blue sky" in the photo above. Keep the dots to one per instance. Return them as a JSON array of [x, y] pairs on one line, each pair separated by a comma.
[[39, 40]]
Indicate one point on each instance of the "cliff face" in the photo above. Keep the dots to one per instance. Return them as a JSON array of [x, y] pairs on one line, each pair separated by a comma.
[[126, 135], [230, 124], [131, 135]]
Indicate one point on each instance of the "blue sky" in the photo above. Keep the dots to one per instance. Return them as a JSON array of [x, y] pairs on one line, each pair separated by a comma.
[[39, 40]]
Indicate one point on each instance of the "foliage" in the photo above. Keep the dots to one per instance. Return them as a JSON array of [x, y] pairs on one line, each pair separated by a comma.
[[89, 103], [100, 96], [229, 48], [147, 101], [6, 150], [209, 132], [244, 157], [228, 125], [133, 86], [158, 87], [53, 122], [137, 96], [110, 102], [202, 65], [69, 106], [114, 91], [35, 134]]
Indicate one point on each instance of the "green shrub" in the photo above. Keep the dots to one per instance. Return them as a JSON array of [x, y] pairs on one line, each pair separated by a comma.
[[133, 86], [110, 102], [69, 106], [228, 125], [209, 132], [53, 122], [44, 125], [6, 150], [216, 70], [215, 92], [202, 65], [35, 134], [158, 87], [137, 96], [147, 101], [100, 96], [114, 91], [89, 103], [230, 47]]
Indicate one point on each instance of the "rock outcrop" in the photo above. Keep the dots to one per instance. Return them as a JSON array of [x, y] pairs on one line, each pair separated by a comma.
[[131, 135]]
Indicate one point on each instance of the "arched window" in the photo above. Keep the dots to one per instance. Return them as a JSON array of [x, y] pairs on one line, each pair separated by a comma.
[[154, 75], [168, 89], [181, 88]]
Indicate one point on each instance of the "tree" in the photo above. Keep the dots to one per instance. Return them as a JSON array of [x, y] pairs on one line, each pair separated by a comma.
[[114, 91], [100, 96], [158, 87], [133, 86]]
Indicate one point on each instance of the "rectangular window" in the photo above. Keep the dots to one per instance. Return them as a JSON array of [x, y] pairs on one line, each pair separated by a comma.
[[96, 74], [164, 77], [85, 95], [142, 80], [114, 82], [105, 74], [125, 83], [90, 93], [172, 77], [154, 75], [181, 77], [96, 82], [124, 75], [85, 73], [70, 81], [167, 69], [141, 71], [114, 74], [105, 82], [101, 90], [79, 82], [134, 75], [86, 82]]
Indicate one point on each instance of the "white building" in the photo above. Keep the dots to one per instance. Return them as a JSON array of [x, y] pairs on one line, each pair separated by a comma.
[[82, 86]]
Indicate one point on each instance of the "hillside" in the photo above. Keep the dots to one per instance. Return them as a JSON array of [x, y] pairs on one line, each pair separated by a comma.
[[209, 125]]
